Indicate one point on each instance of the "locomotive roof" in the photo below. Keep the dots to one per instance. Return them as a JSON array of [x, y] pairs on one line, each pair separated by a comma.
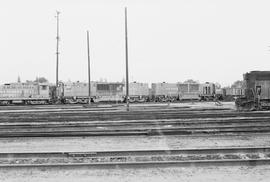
[[25, 83], [258, 75]]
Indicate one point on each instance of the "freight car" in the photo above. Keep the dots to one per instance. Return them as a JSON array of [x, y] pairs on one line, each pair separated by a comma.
[[24, 93], [257, 91]]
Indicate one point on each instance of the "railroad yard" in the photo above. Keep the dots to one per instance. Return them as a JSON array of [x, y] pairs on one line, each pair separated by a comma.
[[184, 97], [154, 141]]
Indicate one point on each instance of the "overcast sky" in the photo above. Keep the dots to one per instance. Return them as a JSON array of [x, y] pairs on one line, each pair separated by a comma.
[[169, 40]]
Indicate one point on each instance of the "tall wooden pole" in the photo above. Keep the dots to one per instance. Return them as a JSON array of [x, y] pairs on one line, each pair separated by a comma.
[[127, 82], [89, 78], [57, 46]]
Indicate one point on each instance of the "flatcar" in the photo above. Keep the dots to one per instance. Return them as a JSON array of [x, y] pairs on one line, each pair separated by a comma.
[[24, 93]]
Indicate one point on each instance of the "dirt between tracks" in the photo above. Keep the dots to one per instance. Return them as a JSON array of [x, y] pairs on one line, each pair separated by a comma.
[[74, 144], [121, 107], [186, 174]]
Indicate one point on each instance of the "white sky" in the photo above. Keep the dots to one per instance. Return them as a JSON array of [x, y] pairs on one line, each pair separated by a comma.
[[169, 40]]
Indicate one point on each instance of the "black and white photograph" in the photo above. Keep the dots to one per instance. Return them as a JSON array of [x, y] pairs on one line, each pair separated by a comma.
[[135, 91]]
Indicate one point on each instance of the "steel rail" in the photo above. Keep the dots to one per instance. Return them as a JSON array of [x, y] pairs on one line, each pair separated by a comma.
[[157, 131], [238, 155], [45, 124]]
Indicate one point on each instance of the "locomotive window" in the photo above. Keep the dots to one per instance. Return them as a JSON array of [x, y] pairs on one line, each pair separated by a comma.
[[114, 87], [258, 90], [103, 87], [43, 87]]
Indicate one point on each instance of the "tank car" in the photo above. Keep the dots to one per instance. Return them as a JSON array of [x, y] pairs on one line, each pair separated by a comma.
[[24, 93], [256, 90]]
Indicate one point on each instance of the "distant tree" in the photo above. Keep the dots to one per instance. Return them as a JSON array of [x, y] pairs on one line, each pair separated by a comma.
[[41, 80], [238, 84], [190, 81]]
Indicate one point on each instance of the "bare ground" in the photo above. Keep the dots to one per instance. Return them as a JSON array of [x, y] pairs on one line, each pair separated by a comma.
[[71, 144], [186, 174]]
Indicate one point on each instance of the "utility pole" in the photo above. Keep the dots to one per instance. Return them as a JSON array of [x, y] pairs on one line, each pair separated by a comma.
[[57, 46], [127, 82], [89, 80]]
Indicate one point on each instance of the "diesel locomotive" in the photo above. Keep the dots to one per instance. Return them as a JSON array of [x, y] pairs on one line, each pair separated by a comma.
[[77, 92], [256, 91], [24, 93]]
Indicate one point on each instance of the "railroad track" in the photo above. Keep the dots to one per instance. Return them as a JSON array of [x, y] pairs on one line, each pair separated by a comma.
[[137, 127], [60, 132], [108, 116], [208, 156], [160, 122], [80, 122]]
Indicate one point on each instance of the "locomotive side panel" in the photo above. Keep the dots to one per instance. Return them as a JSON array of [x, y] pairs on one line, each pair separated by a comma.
[[138, 89], [109, 92], [138, 92], [78, 89], [24, 92], [264, 87], [166, 89], [189, 91], [163, 92]]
